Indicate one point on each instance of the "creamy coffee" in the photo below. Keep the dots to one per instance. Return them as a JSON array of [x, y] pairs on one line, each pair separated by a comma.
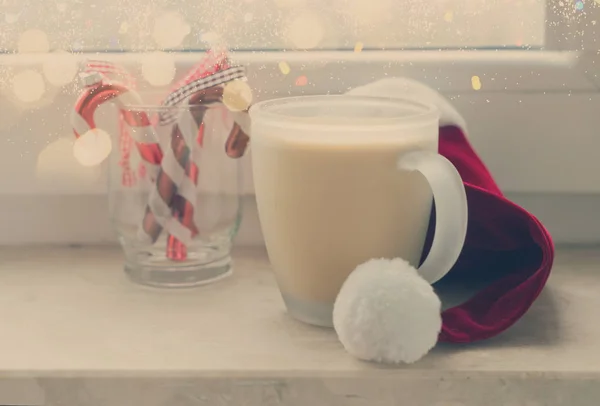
[[326, 206]]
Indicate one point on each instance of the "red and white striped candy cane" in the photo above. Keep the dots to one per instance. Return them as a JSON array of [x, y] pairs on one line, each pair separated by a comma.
[[97, 72], [99, 90], [185, 201], [212, 71], [188, 128], [167, 194]]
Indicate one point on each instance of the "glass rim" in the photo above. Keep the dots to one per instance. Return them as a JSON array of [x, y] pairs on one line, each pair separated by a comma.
[[424, 114]]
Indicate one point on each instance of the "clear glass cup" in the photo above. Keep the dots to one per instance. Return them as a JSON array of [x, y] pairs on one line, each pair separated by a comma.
[[175, 220]]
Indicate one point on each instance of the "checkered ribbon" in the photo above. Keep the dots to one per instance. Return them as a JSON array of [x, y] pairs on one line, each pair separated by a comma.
[[186, 91]]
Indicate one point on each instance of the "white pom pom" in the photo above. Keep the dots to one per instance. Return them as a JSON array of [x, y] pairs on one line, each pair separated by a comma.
[[386, 312]]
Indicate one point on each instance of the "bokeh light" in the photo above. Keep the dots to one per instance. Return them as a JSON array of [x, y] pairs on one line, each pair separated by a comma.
[[124, 27], [158, 68], [170, 29], [92, 148], [33, 41], [301, 81], [28, 86], [284, 67], [305, 31], [56, 163], [368, 13], [60, 68], [476, 83], [237, 95], [11, 18], [211, 38]]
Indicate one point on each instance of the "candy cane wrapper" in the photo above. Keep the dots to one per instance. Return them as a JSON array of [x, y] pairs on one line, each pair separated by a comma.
[[177, 179]]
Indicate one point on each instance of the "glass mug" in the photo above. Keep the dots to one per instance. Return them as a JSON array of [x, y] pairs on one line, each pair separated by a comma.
[[340, 180]]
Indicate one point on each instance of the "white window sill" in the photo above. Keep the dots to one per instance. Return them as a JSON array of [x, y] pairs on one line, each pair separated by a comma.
[[534, 123], [75, 330]]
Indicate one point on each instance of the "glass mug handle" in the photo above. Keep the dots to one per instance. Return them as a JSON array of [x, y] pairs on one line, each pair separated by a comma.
[[450, 210]]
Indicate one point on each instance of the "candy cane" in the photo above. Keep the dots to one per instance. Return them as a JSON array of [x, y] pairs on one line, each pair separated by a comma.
[[161, 212], [201, 87], [180, 235], [99, 91], [185, 200], [96, 73], [184, 203]]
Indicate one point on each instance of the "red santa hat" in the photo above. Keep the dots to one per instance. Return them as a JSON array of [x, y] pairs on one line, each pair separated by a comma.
[[503, 239]]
